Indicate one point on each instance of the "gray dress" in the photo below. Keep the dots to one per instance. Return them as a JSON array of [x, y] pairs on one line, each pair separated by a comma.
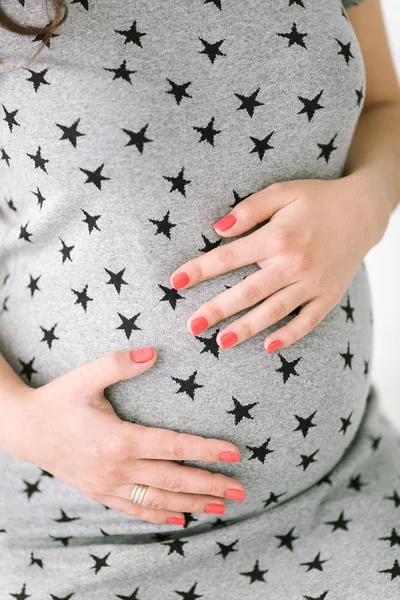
[[138, 127]]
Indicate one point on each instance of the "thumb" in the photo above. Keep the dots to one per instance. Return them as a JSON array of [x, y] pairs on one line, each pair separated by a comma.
[[112, 367]]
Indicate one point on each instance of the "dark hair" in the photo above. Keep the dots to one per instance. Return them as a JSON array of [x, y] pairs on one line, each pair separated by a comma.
[[60, 14]]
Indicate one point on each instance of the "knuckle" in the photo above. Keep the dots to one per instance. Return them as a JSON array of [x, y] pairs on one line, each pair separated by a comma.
[[216, 312], [278, 310], [114, 359], [252, 293], [118, 450], [312, 321], [213, 487], [226, 256], [158, 501], [300, 263], [172, 483], [282, 240], [110, 474], [246, 330], [244, 211], [196, 271], [175, 451]]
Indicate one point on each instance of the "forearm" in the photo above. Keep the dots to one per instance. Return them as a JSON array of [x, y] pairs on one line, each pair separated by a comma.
[[374, 160], [12, 390]]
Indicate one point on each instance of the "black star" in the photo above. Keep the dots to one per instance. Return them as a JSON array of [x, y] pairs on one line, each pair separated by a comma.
[[27, 369], [171, 295], [208, 132], [347, 356], [366, 364], [256, 574], [65, 251], [37, 78], [340, 523], [40, 197], [70, 133], [310, 106], [394, 571], [375, 441], [64, 517], [273, 499], [82, 297], [210, 344], [137, 138], [36, 561], [178, 90], [220, 523], [395, 498], [4, 307], [122, 72], [24, 233], [356, 484], [211, 50], [40, 36], [216, 3], [94, 176], [261, 145], [225, 549], [4, 156], [315, 564], [249, 103], [189, 518], [348, 309], [287, 367], [128, 325], [116, 279], [326, 479], [294, 37], [164, 226], [188, 385], [306, 460], [298, 2], [31, 488], [238, 199], [260, 452], [178, 182], [38, 159], [21, 595], [48, 335], [10, 118], [132, 34], [100, 562], [394, 538], [63, 539], [208, 245], [33, 286], [176, 546], [321, 597], [345, 423], [46, 474], [132, 596], [360, 95], [91, 220], [241, 410], [84, 3], [190, 595], [345, 50], [305, 424], [287, 539], [327, 149]]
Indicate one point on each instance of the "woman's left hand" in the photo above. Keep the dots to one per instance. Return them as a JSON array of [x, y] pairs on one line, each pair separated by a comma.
[[316, 236]]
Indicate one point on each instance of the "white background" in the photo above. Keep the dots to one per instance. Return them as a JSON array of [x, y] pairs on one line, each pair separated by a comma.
[[383, 265]]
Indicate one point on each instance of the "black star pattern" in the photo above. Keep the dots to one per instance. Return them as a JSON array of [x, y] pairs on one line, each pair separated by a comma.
[[340, 523], [38, 159], [347, 357], [128, 324], [287, 539], [171, 295], [294, 37], [178, 90], [256, 574], [137, 138], [305, 423], [10, 118], [395, 497], [315, 564], [65, 251], [345, 423], [122, 72], [226, 549], [348, 309], [249, 103], [70, 133], [116, 279], [82, 297], [212, 50], [261, 145], [394, 570], [164, 226], [311, 106], [132, 35], [188, 385], [210, 344], [27, 369], [260, 452], [95, 176], [345, 50], [100, 562], [208, 132], [241, 411], [33, 284], [49, 335], [287, 367], [40, 198], [394, 538], [356, 483], [37, 78], [327, 149], [178, 182], [306, 460]]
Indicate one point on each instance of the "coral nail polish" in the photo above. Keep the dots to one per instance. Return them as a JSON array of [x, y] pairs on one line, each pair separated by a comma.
[[198, 325], [180, 280], [228, 339], [225, 223], [275, 345], [234, 494], [142, 354], [217, 509], [176, 520], [229, 456]]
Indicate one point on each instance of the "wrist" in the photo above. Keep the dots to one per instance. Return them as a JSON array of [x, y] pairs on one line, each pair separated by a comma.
[[12, 409]]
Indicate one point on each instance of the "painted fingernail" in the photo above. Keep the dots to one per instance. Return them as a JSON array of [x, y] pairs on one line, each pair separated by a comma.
[[218, 509], [228, 339], [198, 325], [225, 223], [274, 346], [229, 456], [180, 280], [176, 520], [143, 354], [234, 494]]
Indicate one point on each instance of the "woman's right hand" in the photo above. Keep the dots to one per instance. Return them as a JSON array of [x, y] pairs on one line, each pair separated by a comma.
[[68, 428]]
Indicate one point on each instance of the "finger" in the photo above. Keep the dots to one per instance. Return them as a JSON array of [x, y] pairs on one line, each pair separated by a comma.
[[170, 476], [310, 315], [222, 259], [140, 512], [273, 309], [256, 208], [250, 291], [166, 444]]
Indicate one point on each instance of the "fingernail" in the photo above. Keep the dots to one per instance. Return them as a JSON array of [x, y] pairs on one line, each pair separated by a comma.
[[234, 494], [228, 339], [218, 509], [225, 223], [198, 325], [176, 520], [180, 280], [274, 346], [229, 456], [143, 354]]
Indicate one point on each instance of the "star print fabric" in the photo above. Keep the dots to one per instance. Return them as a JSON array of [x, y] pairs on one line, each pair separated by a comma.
[[134, 130]]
